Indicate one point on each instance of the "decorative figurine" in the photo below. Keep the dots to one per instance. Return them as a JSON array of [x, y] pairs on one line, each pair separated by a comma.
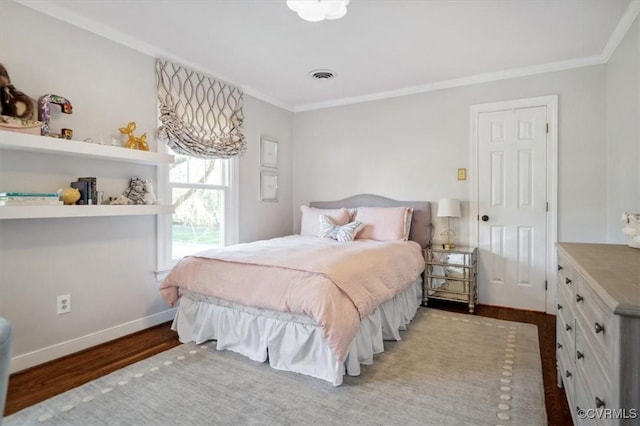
[[70, 196], [142, 143], [13, 102], [631, 228], [140, 191], [149, 197], [44, 115], [120, 200], [134, 142], [136, 191], [67, 134]]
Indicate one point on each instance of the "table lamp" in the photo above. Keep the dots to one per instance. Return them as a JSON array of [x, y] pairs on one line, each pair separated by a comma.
[[448, 207]]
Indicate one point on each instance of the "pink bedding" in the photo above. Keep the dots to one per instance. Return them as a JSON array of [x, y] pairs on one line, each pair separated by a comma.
[[334, 283]]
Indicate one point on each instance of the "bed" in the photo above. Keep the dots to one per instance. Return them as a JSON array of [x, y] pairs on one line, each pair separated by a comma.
[[312, 305]]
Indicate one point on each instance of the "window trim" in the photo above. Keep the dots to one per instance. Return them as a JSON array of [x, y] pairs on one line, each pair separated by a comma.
[[164, 261]]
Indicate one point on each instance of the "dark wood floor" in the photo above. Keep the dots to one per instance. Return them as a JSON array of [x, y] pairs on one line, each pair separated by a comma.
[[44, 381]]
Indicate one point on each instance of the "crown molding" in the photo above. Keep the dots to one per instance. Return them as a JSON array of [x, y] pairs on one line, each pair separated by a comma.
[[126, 40], [625, 23], [459, 82]]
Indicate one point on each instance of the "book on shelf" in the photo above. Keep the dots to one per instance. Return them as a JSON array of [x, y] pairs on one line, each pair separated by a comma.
[[26, 201], [20, 195], [83, 187], [92, 190], [29, 199]]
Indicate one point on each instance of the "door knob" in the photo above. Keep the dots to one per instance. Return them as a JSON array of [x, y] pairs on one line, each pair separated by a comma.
[[485, 218]]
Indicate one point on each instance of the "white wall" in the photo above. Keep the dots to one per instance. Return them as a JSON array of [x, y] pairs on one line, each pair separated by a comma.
[[623, 133], [261, 220], [410, 148], [107, 264]]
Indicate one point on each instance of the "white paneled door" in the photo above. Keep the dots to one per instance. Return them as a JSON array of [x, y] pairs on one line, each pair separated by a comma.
[[512, 207]]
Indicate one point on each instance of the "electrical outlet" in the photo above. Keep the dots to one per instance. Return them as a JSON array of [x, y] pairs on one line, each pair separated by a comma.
[[64, 304]]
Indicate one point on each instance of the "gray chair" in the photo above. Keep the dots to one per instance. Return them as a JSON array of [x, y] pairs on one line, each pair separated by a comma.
[[5, 359]]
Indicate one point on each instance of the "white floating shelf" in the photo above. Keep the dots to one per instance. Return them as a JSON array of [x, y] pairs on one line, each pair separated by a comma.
[[37, 212], [43, 144]]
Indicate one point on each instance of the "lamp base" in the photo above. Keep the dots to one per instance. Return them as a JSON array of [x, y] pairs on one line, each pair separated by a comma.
[[448, 246]]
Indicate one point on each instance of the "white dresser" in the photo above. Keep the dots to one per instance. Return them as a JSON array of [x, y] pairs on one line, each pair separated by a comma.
[[598, 332]]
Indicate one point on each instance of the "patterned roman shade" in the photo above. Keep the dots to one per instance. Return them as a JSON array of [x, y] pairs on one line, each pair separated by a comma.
[[201, 117]]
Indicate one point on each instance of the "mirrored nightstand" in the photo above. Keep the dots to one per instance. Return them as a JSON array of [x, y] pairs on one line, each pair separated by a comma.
[[451, 275]]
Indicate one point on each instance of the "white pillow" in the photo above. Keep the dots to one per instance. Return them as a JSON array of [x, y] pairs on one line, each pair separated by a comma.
[[344, 233], [310, 222], [384, 223]]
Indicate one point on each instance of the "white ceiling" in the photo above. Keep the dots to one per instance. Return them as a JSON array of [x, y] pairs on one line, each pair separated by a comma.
[[380, 48]]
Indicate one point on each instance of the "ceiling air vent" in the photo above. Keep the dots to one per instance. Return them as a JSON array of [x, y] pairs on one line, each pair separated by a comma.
[[322, 74]]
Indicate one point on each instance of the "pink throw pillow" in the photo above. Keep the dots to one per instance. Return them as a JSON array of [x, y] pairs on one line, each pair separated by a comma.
[[384, 223]]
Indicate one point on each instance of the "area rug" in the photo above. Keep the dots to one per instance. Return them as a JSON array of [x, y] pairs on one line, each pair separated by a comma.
[[448, 369]]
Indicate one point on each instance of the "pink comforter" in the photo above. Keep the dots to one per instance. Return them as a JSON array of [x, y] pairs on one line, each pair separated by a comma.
[[334, 283]]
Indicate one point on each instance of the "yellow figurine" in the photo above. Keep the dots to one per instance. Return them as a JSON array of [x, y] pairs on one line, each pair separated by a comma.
[[129, 132], [141, 143], [134, 142], [70, 195]]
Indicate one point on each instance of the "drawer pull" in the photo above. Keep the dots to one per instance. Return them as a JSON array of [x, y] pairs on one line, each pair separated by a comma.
[[567, 281], [579, 298], [568, 327], [579, 354], [568, 373], [559, 345], [599, 403], [598, 328], [559, 267], [559, 306]]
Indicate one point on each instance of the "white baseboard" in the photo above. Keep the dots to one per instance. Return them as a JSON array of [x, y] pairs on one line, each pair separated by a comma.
[[49, 353]]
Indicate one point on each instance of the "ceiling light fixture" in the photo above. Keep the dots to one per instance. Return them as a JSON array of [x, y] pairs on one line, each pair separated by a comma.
[[318, 10]]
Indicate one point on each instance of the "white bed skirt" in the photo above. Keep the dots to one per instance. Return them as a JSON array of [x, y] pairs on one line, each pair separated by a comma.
[[292, 342]]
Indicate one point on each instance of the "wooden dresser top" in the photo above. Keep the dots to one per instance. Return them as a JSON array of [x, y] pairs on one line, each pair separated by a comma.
[[614, 268]]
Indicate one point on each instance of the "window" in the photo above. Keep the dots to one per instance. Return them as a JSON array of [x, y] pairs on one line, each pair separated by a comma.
[[201, 122], [204, 198]]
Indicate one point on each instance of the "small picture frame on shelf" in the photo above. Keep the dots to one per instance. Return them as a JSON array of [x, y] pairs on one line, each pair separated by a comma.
[[269, 186], [268, 152]]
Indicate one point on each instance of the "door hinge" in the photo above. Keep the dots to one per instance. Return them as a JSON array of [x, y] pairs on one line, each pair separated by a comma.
[[547, 127], [546, 285], [547, 206]]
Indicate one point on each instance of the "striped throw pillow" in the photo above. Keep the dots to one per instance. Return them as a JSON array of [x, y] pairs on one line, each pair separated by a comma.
[[344, 233]]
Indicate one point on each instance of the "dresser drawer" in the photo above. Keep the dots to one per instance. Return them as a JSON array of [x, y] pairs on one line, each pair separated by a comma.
[[565, 335], [590, 370], [566, 305], [594, 407], [567, 371], [566, 277], [597, 322], [582, 406]]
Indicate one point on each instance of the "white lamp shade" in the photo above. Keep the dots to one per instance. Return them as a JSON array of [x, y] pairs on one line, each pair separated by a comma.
[[448, 207]]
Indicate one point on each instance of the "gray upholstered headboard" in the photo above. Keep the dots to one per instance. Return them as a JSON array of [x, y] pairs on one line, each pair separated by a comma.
[[421, 225]]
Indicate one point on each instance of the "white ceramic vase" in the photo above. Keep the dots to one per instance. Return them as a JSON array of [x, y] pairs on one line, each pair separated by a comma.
[[631, 228]]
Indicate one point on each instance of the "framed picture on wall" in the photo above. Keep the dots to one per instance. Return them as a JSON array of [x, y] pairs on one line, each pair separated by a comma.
[[268, 186], [268, 152]]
